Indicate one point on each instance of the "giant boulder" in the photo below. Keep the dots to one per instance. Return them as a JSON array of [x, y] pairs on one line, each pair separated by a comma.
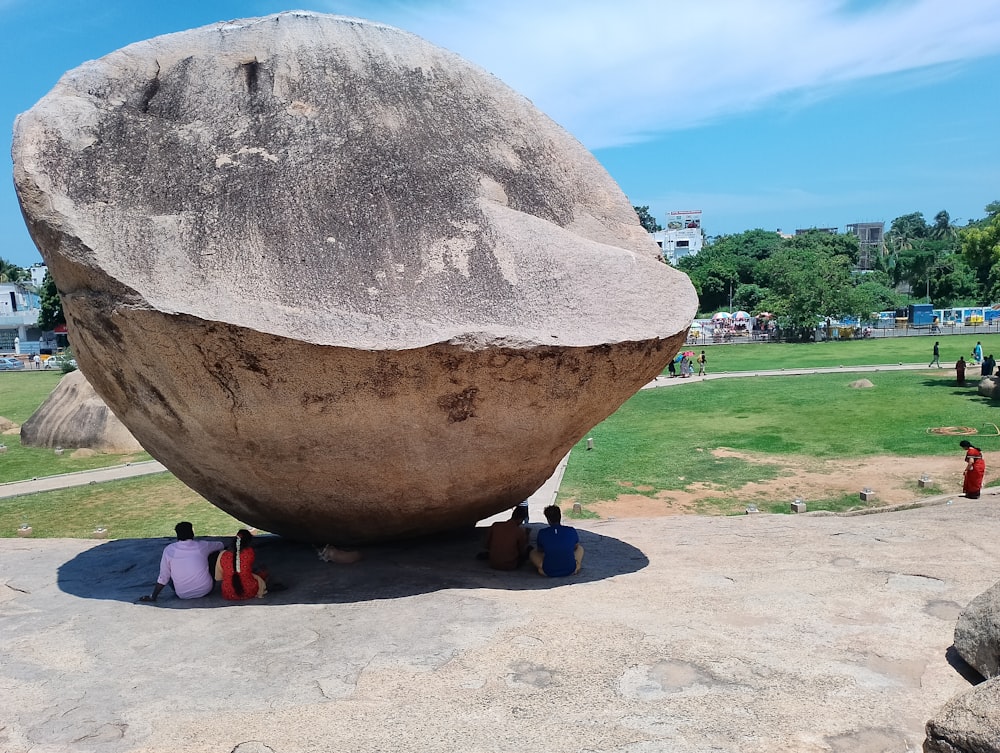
[[341, 282]]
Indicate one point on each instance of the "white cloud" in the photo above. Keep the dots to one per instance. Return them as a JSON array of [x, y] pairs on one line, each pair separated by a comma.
[[615, 73]]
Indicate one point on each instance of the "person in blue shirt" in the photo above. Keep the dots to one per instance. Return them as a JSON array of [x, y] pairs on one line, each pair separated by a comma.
[[557, 549]]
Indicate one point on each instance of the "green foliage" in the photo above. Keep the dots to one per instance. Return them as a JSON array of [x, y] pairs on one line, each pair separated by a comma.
[[800, 278], [10, 272], [51, 313], [904, 230], [981, 247], [647, 220], [718, 270], [805, 283]]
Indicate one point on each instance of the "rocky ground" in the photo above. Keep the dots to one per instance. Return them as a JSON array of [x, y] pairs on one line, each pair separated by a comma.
[[746, 634]]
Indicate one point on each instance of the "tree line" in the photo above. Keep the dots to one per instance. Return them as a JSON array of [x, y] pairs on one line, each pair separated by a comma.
[[806, 277]]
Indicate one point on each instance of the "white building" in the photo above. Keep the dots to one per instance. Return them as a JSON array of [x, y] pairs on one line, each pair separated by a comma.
[[38, 275], [19, 309], [683, 236]]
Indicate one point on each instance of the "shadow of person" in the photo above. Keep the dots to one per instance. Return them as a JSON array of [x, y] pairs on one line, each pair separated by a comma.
[[125, 569]]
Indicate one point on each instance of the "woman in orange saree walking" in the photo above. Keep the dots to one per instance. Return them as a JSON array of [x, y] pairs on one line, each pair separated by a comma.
[[975, 469]]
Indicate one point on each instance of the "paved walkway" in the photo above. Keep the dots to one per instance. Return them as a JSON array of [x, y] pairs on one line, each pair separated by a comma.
[[79, 478]]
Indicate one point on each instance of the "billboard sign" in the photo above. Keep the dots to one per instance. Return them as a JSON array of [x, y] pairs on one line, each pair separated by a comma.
[[685, 219]]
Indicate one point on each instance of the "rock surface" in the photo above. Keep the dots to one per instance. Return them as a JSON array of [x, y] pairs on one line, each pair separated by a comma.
[[987, 387], [743, 634], [968, 723], [73, 415], [342, 283], [977, 633]]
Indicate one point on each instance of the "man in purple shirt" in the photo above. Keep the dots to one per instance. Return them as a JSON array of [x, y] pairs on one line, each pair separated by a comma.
[[557, 549], [185, 563]]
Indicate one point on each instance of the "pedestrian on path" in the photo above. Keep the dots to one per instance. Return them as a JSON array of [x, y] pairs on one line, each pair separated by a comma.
[[975, 469], [701, 364], [937, 356]]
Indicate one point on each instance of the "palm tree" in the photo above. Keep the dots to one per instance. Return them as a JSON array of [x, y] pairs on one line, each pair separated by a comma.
[[942, 229], [10, 272]]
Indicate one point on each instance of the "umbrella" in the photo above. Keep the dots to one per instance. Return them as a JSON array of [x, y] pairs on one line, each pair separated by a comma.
[[689, 353], [721, 315], [742, 315], [764, 315]]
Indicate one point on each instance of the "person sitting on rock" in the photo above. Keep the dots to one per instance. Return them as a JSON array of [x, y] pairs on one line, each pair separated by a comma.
[[235, 570], [557, 548], [188, 564], [507, 541]]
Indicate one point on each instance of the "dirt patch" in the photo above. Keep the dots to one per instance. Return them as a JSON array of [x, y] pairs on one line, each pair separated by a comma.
[[893, 480]]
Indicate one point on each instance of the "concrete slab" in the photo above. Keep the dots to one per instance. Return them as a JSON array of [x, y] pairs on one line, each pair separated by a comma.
[[741, 634]]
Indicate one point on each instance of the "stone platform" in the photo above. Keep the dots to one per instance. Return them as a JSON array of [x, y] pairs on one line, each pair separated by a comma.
[[748, 634]]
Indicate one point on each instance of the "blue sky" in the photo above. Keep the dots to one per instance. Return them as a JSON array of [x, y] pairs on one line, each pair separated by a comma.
[[767, 113]]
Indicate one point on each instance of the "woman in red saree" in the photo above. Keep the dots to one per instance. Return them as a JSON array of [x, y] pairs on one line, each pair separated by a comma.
[[975, 469], [235, 569]]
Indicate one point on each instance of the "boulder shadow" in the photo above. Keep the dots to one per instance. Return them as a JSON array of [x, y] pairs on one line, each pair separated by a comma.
[[125, 569], [964, 669]]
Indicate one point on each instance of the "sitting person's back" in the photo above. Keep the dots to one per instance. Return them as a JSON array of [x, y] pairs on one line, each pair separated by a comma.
[[557, 551], [235, 570], [507, 541]]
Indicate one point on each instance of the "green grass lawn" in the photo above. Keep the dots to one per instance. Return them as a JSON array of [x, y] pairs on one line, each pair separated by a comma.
[[21, 393], [753, 356], [147, 506], [659, 440], [662, 439]]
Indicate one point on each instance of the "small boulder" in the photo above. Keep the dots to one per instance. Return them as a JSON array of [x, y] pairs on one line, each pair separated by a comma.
[[861, 384], [74, 416], [968, 723], [977, 633], [988, 387]]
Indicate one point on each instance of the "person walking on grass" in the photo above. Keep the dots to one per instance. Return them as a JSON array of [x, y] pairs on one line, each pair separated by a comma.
[[937, 356], [960, 370]]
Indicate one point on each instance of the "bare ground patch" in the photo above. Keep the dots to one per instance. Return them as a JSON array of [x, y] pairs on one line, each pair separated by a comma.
[[892, 478]]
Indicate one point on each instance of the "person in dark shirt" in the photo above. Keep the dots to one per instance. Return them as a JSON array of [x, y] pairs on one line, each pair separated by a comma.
[[507, 541], [557, 549]]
